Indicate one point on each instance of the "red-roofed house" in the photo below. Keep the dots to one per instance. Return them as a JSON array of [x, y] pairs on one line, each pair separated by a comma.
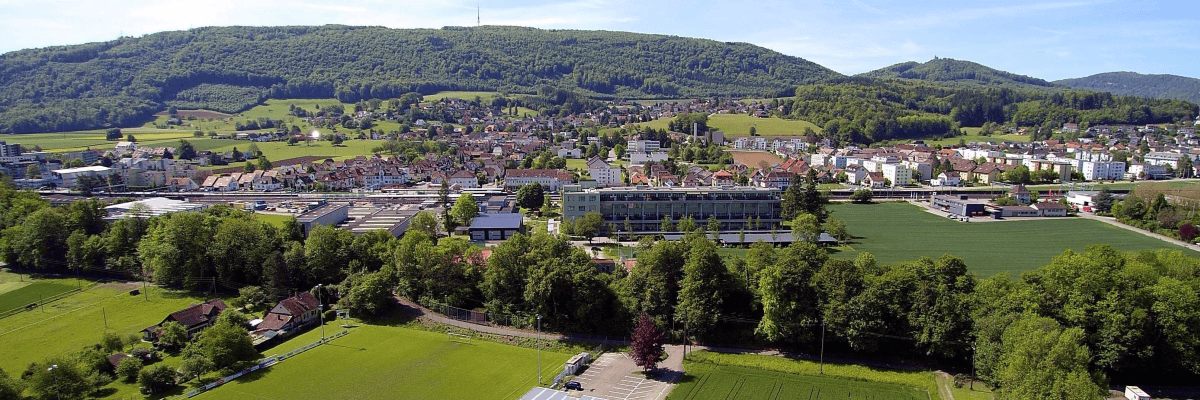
[[291, 314], [194, 319]]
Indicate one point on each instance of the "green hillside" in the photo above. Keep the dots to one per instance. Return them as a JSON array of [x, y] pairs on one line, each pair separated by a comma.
[[230, 69], [958, 72], [1141, 85]]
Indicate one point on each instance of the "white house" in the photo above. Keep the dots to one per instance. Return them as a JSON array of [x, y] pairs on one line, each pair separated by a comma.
[[642, 158], [604, 174], [1100, 170], [464, 179], [67, 177], [899, 174], [947, 178]]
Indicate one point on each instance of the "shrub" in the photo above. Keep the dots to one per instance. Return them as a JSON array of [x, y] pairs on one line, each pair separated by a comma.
[[156, 378], [129, 368]]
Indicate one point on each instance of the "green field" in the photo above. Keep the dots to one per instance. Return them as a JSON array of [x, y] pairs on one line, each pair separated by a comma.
[[70, 324], [897, 232], [735, 377], [274, 219], [378, 362], [75, 141], [972, 136], [739, 125], [31, 293]]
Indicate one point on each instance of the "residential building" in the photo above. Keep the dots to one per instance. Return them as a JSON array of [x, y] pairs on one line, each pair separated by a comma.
[[644, 146], [604, 174], [1146, 171], [640, 158], [1051, 209], [194, 319], [1020, 194], [947, 178], [464, 179], [645, 207], [291, 314], [10, 150], [552, 180], [1163, 158], [1103, 170], [898, 174]]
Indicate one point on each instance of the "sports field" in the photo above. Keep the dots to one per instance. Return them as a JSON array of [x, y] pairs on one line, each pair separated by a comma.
[[31, 293], [379, 362], [897, 232], [79, 320], [735, 377]]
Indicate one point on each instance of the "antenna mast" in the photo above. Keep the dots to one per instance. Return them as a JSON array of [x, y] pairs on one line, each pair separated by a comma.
[[477, 14]]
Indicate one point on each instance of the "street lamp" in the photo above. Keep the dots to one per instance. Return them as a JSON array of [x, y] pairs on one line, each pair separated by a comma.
[[539, 347], [321, 312], [51, 371]]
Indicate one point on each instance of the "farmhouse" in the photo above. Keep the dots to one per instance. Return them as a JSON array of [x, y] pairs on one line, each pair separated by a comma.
[[194, 319], [290, 315]]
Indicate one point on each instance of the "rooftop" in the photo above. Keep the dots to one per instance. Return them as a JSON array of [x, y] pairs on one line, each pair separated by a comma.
[[497, 221], [150, 207]]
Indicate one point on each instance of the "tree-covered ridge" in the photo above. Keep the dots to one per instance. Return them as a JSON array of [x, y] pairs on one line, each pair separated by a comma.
[[949, 70], [1160, 86], [123, 81], [865, 110]]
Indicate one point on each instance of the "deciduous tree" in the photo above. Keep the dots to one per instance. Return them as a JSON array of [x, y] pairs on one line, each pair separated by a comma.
[[646, 344]]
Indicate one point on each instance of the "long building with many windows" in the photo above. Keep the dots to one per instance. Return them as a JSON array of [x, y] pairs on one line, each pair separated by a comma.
[[736, 207]]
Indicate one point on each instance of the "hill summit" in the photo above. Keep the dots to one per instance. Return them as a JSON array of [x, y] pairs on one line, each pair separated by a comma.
[[1141, 85], [949, 70], [230, 69]]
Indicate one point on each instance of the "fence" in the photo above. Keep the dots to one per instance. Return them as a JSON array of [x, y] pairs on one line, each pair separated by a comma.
[[477, 317], [33, 306], [264, 363]]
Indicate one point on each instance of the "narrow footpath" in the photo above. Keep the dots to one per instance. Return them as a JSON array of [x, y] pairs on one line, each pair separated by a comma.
[[1113, 221]]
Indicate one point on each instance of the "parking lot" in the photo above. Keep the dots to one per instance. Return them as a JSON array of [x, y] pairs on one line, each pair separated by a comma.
[[614, 376]]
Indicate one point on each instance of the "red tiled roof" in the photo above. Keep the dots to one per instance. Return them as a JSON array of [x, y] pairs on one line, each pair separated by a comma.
[[198, 314]]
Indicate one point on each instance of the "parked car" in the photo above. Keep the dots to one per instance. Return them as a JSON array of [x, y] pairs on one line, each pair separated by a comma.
[[572, 385]]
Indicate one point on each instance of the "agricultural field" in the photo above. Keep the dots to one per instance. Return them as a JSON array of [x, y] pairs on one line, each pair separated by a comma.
[[739, 125], [752, 157], [898, 232], [973, 136], [31, 293], [79, 320], [377, 362], [736, 377], [75, 141]]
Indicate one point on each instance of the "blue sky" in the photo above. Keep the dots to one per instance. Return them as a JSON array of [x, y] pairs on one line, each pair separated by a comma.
[[1051, 39]]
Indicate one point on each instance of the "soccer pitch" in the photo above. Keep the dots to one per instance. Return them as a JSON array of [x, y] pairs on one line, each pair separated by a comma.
[[898, 232], [380, 362], [712, 376]]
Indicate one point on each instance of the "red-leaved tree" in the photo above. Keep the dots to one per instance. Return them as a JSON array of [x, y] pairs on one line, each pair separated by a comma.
[[647, 347], [1188, 231]]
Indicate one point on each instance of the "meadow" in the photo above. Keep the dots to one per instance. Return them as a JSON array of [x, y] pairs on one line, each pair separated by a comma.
[[898, 232], [739, 125], [31, 293], [375, 362], [70, 324], [734, 377]]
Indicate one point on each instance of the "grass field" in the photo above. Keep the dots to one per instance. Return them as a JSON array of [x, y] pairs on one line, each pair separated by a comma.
[[31, 293], [897, 232], [274, 219], [752, 157], [74, 141], [77, 321], [378, 362], [739, 125], [736, 377], [971, 136]]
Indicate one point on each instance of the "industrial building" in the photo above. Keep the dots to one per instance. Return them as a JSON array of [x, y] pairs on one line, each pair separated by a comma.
[[329, 214], [958, 205], [151, 207], [499, 226], [736, 207]]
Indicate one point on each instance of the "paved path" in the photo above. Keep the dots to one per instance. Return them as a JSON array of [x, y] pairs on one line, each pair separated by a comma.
[[416, 309], [1113, 221]]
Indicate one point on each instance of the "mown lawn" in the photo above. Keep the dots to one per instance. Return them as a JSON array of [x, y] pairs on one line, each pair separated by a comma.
[[739, 125], [70, 324], [31, 293], [380, 362], [735, 377], [897, 232]]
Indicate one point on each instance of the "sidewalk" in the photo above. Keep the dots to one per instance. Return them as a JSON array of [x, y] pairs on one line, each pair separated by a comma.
[[1113, 221]]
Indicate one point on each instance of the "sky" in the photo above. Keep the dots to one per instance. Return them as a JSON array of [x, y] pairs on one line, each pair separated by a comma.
[[1048, 39]]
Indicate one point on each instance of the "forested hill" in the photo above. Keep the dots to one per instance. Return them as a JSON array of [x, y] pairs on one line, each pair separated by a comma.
[[1141, 85], [231, 68], [958, 72]]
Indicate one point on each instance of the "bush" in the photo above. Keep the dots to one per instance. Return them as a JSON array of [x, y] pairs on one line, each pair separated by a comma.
[[129, 368], [156, 378], [961, 380]]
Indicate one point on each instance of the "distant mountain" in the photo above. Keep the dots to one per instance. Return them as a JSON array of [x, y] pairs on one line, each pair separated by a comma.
[[959, 73], [124, 81], [1141, 85]]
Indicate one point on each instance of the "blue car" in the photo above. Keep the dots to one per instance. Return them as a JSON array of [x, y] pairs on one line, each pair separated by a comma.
[[572, 385]]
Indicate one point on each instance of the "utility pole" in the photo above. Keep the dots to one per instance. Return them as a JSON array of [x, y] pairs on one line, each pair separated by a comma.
[[321, 312], [822, 367], [51, 370], [105, 314], [539, 347]]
